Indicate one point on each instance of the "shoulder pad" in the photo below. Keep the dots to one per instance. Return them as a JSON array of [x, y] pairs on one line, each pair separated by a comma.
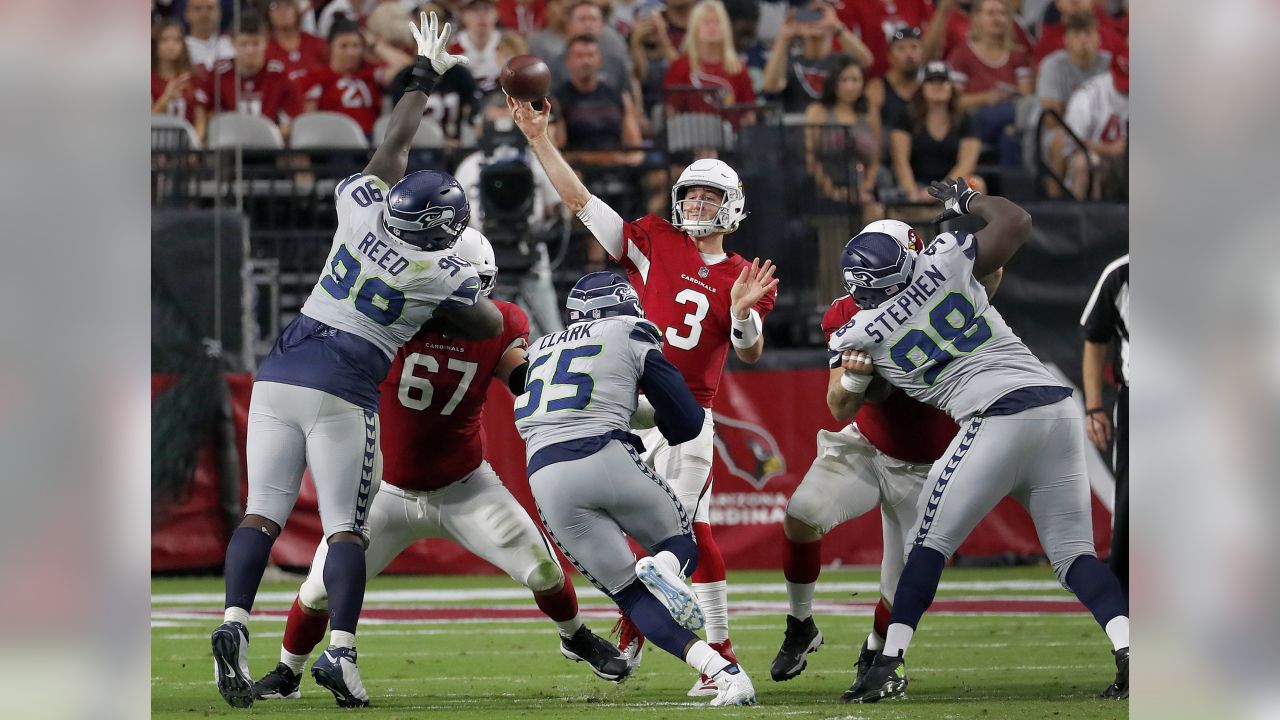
[[646, 332]]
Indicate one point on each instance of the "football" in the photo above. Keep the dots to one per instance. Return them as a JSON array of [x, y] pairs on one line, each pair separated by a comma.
[[526, 78]]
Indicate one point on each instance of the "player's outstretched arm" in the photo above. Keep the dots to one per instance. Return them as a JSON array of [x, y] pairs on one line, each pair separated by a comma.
[[392, 156], [847, 388], [753, 283], [1008, 225]]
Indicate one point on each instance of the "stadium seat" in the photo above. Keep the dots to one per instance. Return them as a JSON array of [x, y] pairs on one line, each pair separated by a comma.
[[252, 132], [430, 136], [326, 130], [173, 133], [693, 131]]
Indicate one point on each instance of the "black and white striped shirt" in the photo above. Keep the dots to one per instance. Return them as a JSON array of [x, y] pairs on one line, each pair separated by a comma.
[[1106, 316]]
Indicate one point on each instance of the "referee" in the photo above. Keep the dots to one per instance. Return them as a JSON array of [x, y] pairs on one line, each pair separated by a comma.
[[1106, 319]]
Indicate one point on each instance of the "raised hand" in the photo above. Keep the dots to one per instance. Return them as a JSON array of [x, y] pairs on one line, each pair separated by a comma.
[[754, 282], [433, 43], [955, 196], [532, 122]]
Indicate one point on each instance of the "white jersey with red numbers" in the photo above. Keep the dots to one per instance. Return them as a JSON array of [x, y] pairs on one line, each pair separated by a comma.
[[1097, 112], [432, 403], [687, 297]]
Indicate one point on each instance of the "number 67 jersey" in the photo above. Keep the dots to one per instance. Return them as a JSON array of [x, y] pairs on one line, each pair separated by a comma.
[[940, 340]]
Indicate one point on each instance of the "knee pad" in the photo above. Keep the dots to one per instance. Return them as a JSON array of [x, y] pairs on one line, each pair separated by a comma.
[[312, 593], [809, 510], [545, 575]]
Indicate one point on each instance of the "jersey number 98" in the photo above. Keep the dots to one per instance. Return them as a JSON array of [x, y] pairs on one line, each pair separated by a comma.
[[953, 321], [375, 299]]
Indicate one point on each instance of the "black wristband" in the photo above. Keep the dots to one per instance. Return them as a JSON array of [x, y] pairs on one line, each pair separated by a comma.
[[1095, 411], [423, 77]]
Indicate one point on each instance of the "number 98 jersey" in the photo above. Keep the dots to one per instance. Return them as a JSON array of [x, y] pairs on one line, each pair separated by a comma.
[[940, 340], [377, 287]]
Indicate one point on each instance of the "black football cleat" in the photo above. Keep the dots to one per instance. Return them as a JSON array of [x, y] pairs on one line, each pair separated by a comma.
[[606, 661], [279, 684], [802, 637], [1119, 690], [866, 656], [886, 678], [230, 643]]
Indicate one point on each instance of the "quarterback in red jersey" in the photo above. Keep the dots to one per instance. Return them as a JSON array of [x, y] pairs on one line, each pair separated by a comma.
[[703, 299], [435, 483], [881, 458]]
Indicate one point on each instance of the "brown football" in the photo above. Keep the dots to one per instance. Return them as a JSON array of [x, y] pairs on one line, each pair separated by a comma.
[[526, 78]]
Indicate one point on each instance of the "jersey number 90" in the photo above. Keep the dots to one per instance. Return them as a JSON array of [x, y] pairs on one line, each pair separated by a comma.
[[953, 321], [375, 299]]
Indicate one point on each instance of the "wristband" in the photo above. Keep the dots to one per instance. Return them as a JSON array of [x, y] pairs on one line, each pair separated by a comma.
[[423, 77], [745, 333], [855, 383]]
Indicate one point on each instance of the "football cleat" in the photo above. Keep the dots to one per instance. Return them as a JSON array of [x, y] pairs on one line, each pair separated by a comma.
[[705, 686], [630, 641], [231, 664], [279, 684], [672, 592], [886, 678], [733, 687], [606, 661], [866, 656], [802, 637], [1119, 690], [336, 671]]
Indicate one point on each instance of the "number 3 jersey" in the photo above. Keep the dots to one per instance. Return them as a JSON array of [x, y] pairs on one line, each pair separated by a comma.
[[432, 433], [687, 298], [374, 293], [940, 340]]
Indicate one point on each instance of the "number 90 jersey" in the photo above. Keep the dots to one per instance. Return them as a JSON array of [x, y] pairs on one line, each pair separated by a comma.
[[377, 287], [686, 298], [940, 340]]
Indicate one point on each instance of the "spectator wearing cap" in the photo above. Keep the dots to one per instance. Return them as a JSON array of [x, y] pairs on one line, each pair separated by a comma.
[[205, 44], [651, 54], [298, 51], [949, 28], [710, 65], [935, 139], [1061, 72], [892, 92], [1098, 114], [992, 72], [347, 84], [586, 18], [796, 72], [176, 85], [593, 120], [1112, 32], [478, 41], [250, 83], [878, 21]]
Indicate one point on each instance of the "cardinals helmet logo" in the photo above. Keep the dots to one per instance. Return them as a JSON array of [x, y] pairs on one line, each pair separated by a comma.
[[748, 451]]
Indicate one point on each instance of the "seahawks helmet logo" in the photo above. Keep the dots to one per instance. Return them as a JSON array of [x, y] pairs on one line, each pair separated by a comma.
[[437, 216]]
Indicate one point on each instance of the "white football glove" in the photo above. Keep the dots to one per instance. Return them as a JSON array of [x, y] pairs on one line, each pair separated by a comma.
[[433, 44]]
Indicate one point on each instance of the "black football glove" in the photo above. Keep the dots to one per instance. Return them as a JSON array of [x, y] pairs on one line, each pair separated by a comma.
[[955, 196]]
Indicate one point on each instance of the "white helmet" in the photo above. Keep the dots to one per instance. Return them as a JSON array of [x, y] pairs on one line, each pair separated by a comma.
[[900, 231], [474, 247], [713, 174]]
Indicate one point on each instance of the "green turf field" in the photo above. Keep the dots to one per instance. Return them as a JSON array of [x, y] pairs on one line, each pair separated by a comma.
[[961, 665]]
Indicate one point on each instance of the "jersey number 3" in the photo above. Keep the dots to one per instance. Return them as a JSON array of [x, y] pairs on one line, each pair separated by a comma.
[[954, 322], [688, 336]]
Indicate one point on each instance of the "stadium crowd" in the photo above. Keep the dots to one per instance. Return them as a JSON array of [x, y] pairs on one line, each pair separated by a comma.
[[907, 91]]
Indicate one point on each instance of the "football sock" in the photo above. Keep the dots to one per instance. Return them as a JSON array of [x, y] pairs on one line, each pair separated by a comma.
[[713, 598], [1118, 631], [1098, 588], [561, 606], [710, 562], [653, 619], [875, 641], [916, 588], [897, 639], [704, 658], [235, 614], [801, 564], [247, 555], [344, 583], [880, 624], [342, 639], [302, 632]]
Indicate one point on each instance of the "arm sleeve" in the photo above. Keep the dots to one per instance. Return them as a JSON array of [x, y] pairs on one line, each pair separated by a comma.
[[679, 417], [606, 224]]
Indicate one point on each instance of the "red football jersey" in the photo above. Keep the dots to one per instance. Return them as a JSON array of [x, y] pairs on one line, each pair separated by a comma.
[[184, 104], [686, 298], [270, 93], [899, 427], [353, 94], [432, 404], [312, 53]]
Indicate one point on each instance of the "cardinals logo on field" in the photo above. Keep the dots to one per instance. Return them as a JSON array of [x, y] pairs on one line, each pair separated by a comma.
[[748, 451]]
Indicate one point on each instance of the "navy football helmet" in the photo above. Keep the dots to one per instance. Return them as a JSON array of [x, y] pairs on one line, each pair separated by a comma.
[[876, 267], [602, 294], [427, 209]]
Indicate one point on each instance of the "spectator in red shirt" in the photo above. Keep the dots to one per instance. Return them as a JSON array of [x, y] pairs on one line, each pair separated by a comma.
[[252, 84], [175, 84], [1112, 32], [522, 16], [711, 64], [298, 51], [347, 84], [949, 28], [877, 21], [992, 72]]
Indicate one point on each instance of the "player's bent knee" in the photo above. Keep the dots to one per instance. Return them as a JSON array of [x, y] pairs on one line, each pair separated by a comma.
[[312, 594], [266, 525], [798, 528], [546, 575], [1062, 567], [347, 537]]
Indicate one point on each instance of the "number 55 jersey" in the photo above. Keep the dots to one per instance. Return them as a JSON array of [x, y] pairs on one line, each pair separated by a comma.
[[372, 296], [941, 341]]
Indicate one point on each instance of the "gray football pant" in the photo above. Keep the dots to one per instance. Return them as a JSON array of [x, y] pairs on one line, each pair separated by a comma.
[[1036, 456], [591, 504]]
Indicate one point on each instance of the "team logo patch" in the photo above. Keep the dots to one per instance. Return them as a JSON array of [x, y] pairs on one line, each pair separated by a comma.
[[748, 451], [437, 216], [703, 271]]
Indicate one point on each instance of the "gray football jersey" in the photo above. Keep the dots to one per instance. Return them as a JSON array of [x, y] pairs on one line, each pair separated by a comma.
[[583, 382], [940, 340]]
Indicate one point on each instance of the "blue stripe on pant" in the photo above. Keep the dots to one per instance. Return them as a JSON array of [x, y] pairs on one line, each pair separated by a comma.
[[367, 468], [944, 480]]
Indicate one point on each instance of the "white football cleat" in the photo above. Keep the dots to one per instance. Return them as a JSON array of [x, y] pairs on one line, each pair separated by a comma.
[[630, 641], [734, 687], [336, 671], [703, 687], [231, 664], [670, 589]]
